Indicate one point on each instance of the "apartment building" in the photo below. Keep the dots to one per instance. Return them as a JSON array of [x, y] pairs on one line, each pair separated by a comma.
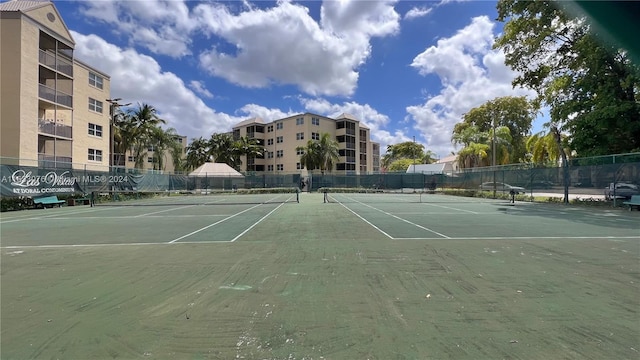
[[280, 138], [53, 107]]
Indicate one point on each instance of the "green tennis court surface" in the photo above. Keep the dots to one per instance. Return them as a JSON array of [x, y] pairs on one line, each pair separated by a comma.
[[358, 278]]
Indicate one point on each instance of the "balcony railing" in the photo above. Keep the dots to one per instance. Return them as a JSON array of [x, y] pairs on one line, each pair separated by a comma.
[[50, 161], [59, 97], [51, 128], [60, 64]]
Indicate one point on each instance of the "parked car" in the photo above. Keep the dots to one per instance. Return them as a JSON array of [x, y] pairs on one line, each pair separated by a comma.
[[622, 190], [502, 187]]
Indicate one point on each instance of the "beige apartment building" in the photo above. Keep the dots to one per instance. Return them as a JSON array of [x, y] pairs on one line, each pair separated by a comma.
[[53, 107], [280, 138]]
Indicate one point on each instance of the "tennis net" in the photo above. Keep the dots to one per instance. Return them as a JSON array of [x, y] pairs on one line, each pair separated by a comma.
[[168, 198], [416, 196]]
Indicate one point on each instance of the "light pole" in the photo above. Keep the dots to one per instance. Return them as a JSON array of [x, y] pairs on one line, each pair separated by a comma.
[[493, 156], [414, 154], [113, 105]]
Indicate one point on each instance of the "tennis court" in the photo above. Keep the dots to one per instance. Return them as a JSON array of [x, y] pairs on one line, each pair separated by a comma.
[[375, 276]]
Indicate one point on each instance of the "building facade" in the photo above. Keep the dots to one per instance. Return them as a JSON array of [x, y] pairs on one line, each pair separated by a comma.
[[282, 137], [53, 108]]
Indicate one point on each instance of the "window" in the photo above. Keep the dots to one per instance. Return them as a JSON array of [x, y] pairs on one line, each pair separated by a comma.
[[95, 105], [299, 151], [279, 139], [315, 136], [95, 130], [270, 128], [150, 159], [280, 167], [95, 80], [280, 153], [95, 155], [300, 121], [298, 166], [315, 121], [269, 141], [150, 148], [300, 136], [269, 167], [279, 126], [130, 159], [269, 154]]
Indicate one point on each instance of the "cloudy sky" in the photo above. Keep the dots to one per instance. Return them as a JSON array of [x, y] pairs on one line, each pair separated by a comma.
[[407, 69]]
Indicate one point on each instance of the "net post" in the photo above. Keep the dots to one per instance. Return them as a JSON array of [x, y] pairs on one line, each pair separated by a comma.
[[298, 196]]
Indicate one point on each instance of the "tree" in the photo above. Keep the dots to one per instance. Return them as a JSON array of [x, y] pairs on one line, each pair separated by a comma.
[[514, 113], [400, 165], [543, 148], [140, 125], [591, 88], [407, 150], [248, 148], [197, 153], [163, 141], [478, 145], [220, 149], [320, 154]]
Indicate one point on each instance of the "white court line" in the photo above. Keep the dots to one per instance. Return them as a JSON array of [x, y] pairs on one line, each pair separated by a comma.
[[256, 223], [64, 246], [130, 217], [367, 221], [528, 238], [161, 211], [405, 220], [451, 208], [215, 223], [53, 215]]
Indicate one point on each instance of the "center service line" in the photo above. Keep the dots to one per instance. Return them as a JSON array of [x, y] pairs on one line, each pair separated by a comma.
[[215, 223]]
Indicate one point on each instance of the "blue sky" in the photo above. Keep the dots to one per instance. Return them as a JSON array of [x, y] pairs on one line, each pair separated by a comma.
[[404, 68]]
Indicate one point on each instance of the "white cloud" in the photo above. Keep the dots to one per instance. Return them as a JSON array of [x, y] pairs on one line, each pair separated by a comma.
[[471, 73], [138, 78], [200, 88], [254, 47], [417, 12], [163, 27]]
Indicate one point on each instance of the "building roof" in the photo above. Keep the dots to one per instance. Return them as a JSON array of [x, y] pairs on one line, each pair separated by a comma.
[[210, 169], [252, 120], [429, 168], [448, 159], [347, 116], [23, 5]]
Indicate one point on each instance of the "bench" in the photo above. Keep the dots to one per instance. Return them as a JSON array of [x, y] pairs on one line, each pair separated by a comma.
[[82, 201], [47, 200], [634, 201]]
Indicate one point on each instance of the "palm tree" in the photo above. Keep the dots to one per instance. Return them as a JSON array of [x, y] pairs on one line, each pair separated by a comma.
[[543, 148], [197, 153], [246, 147], [220, 149], [162, 141], [320, 154], [141, 122]]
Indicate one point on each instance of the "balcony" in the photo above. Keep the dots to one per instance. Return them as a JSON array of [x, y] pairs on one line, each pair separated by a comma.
[[51, 128], [60, 64], [47, 93], [55, 162]]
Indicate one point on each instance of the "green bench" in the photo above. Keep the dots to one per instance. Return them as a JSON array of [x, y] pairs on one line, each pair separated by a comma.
[[634, 201], [47, 201]]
